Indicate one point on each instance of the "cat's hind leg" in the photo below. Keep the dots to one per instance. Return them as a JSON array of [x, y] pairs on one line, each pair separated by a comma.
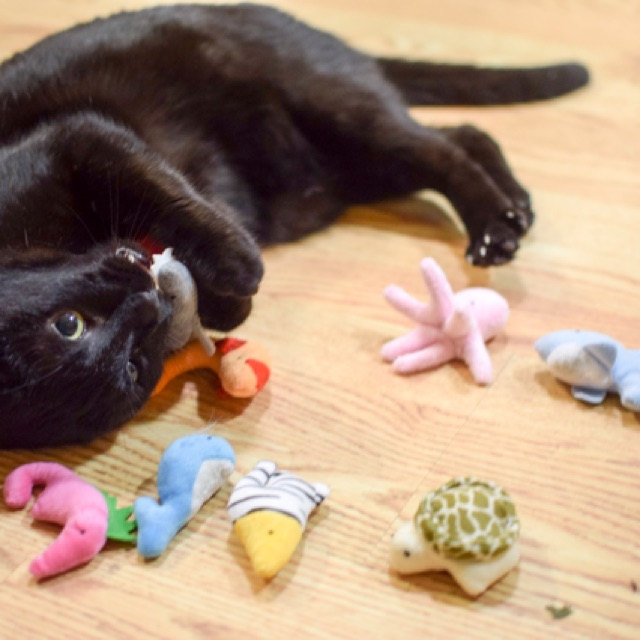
[[484, 150], [373, 149], [395, 156]]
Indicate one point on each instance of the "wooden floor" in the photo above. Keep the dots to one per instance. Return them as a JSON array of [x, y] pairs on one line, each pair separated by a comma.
[[334, 412]]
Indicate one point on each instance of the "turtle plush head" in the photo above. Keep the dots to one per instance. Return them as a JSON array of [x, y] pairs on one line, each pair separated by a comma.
[[410, 552]]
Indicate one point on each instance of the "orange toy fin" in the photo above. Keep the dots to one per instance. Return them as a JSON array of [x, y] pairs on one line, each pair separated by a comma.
[[243, 367]]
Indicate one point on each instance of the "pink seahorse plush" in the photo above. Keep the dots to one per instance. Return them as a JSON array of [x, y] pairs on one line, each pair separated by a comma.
[[66, 500], [449, 326]]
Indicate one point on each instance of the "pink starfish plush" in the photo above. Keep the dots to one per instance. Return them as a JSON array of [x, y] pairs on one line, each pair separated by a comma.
[[449, 325]]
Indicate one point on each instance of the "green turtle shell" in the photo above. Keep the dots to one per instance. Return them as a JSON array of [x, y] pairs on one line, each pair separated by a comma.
[[468, 519]]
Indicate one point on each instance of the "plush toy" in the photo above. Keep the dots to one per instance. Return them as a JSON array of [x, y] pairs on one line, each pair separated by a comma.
[[88, 517], [449, 326], [593, 364], [191, 470], [174, 279], [467, 527], [269, 509], [242, 367]]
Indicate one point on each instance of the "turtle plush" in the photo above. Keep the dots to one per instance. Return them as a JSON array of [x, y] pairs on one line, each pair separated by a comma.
[[467, 527]]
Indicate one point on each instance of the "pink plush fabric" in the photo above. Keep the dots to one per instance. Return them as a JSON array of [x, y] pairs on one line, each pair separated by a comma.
[[66, 500], [449, 325]]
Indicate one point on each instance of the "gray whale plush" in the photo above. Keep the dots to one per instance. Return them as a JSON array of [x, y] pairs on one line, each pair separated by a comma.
[[594, 364], [174, 279]]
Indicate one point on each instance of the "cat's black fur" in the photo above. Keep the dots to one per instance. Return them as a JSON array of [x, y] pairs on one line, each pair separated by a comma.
[[212, 130]]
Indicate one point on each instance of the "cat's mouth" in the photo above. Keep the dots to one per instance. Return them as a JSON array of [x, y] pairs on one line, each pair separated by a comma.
[[135, 256]]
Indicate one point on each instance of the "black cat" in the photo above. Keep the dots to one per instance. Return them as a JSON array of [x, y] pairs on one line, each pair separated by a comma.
[[212, 130]]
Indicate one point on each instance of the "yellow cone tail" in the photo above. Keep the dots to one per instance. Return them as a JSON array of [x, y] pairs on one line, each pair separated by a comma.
[[269, 538]]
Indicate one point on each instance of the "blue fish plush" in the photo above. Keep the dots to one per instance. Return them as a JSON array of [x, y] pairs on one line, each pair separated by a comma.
[[191, 470], [593, 364]]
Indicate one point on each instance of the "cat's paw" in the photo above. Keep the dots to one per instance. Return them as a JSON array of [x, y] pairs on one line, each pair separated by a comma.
[[223, 313], [237, 270], [223, 267], [497, 245], [498, 241], [520, 216]]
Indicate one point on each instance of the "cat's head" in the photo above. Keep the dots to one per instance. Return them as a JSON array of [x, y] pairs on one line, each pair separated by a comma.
[[81, 342]]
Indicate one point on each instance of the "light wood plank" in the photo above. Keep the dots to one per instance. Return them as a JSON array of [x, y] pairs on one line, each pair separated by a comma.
[[335, 413]]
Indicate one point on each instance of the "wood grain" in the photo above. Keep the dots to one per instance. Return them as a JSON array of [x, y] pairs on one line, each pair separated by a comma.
[[335, 413]]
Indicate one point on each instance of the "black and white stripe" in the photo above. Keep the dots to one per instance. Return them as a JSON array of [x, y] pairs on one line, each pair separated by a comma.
[[265, 487]]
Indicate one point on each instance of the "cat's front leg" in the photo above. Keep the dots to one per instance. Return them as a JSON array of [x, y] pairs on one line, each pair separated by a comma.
[[222, 257], [123, 188]]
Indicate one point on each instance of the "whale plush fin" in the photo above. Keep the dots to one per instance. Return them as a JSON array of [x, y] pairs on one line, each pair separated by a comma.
[[630, 398], [630, 391], [157, 525], [588, 394], [212, 475], [604, 354]]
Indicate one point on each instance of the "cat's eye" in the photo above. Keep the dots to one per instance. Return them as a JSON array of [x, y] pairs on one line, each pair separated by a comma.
[[132, 371], [70, 325]]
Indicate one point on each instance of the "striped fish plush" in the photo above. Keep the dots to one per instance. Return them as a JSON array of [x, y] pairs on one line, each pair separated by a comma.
[[269, 509]]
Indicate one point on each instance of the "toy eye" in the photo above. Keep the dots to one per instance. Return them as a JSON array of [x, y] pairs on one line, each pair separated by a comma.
[[132, 371], [406, 553], [70, 325]]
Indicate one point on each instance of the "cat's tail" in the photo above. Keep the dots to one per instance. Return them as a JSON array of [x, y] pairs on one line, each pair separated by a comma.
[[426, 83]]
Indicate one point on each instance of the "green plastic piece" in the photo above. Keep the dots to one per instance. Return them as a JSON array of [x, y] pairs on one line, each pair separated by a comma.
[[121, 526], [559, 612]]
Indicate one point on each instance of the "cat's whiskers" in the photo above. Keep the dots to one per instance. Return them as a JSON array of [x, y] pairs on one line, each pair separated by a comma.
[[113, 220], [80, 219], [32, 382], [140, 217]]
